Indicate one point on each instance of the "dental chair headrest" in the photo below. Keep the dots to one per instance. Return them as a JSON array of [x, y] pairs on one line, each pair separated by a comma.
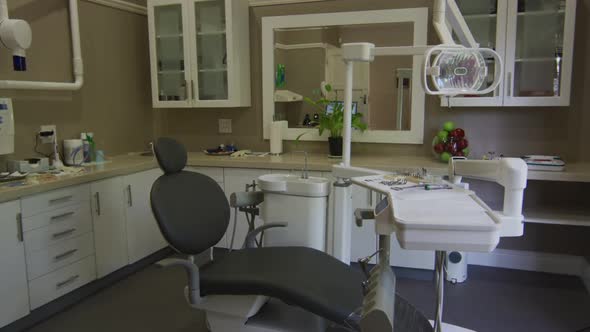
[[170, 154]]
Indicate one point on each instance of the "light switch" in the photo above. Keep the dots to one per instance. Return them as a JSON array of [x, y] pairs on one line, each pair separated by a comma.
[[225, 126]]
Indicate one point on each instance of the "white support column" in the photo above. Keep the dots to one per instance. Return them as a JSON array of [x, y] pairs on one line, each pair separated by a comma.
[[347, 131]]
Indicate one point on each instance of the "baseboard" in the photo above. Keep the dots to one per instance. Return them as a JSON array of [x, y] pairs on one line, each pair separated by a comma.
[[533, 261]]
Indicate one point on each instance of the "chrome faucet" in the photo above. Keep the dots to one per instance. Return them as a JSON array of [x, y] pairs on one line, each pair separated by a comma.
[[305, 169]]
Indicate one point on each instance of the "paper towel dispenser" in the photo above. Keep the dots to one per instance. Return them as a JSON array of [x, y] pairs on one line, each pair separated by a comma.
[[6, 126]]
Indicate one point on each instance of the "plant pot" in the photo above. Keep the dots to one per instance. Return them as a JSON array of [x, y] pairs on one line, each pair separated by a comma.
[[335, 144]]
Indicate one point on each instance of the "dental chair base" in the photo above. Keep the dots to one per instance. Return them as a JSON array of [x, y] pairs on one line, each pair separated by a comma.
[[229, 313]]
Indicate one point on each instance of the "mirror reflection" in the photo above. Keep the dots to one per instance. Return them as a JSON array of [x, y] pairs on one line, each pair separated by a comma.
[[309, 67]]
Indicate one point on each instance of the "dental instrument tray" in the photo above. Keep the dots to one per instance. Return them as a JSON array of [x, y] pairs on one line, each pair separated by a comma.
[[33, 165], [544, 163], [432, 216], [9, 177]]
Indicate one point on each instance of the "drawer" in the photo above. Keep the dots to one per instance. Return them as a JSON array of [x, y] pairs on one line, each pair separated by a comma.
[[53, 285], [55, 233], [212, 172], [77, 211], [52, 200], [57, 256]]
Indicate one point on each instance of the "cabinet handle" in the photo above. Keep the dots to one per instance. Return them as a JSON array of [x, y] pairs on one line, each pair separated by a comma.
[[187, 90], [509, 84], [61, 216], [67, 281], [64, 233], [193, 92], [19, 227], [61, 199], [130, 196], [370, 198], [97, 197], [65, 255]]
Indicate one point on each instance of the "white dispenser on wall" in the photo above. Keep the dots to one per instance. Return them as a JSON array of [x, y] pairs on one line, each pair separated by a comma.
[[6, 126]]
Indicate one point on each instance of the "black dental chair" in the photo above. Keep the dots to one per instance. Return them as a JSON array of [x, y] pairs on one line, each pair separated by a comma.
[[193, 214]]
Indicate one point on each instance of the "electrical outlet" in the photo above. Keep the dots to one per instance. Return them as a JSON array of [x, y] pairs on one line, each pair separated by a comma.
[[225, 126], [47, 134]]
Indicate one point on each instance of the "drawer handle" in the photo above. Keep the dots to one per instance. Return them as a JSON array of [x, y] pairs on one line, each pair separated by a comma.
[[66, 282], [65, 255], [19, 227], [64, 233], [62, 216], [60, 200]]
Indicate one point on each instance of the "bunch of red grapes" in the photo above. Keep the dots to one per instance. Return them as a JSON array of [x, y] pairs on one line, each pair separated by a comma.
[[450, 142]]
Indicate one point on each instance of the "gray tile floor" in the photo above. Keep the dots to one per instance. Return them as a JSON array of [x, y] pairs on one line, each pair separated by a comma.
[[492, 300]]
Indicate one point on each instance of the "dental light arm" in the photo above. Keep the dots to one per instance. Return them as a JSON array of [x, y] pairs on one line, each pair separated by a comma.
[[510, 173]]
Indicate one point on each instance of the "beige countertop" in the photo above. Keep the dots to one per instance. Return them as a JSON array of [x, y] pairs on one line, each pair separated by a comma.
[[133, 163]]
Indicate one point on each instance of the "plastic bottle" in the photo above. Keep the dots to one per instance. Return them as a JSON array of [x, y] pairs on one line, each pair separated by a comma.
[[85, 147], [91, 146]]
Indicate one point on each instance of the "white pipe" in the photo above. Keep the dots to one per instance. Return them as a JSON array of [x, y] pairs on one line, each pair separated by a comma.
[[439, 21], [77, 63], [3, 10], [347, 130]]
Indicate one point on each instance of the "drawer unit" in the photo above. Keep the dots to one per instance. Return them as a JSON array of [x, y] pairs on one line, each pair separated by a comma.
[[54, 200], [79, 211], [53, 285], [57, 256], [214, 173], [67, 228]]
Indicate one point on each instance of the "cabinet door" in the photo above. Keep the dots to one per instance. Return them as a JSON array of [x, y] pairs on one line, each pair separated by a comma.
[[236, 180], [169, 54], [539, 52], [486, 20], [14, 301], [143, 234], [110, 231], [211, 50]]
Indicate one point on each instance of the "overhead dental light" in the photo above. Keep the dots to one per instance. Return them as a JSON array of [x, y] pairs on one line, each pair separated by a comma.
[[457, 70]]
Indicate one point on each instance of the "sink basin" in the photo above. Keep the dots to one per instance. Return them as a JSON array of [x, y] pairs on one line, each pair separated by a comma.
[[294, 185]]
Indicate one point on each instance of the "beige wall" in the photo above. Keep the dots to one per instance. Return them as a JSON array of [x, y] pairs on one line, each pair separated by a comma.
[[114, 102]]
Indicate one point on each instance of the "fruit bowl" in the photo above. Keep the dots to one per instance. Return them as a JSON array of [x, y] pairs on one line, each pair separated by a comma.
[[450, 142]]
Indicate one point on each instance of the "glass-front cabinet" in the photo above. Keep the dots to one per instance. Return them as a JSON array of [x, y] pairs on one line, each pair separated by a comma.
[[535, 38], [200, 55]]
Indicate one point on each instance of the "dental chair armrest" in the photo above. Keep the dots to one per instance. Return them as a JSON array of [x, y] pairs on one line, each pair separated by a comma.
[[363, 214], [246, 199], [250, 241], [192, 271]]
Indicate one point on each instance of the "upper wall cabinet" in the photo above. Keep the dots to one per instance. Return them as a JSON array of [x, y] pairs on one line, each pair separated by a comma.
[[535, 38], [200, 53]]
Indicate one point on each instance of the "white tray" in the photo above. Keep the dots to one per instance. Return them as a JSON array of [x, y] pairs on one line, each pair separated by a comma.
[[448, 219]]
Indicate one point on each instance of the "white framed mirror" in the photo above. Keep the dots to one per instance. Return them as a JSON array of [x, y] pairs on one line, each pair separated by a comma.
[[300, 52]]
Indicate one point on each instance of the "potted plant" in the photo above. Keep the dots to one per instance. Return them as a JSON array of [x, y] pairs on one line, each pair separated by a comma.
[[333, 121]]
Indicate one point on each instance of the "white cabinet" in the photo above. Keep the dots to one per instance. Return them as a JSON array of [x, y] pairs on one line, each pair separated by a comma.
[[14, 301], [143, 234], [536, 41], [236, 180], [110, 231], [200, 53]]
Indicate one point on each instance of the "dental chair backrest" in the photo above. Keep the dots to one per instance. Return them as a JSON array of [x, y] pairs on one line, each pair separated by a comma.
[[190, 208]]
